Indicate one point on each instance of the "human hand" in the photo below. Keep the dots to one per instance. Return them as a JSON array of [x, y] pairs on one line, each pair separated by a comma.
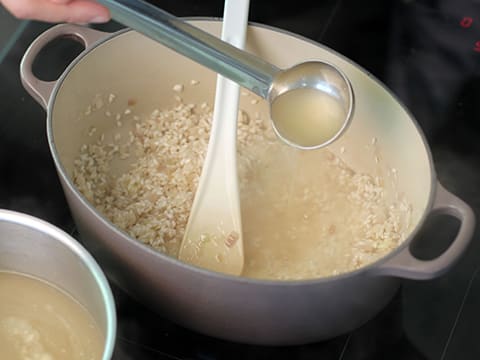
[[76, 11]]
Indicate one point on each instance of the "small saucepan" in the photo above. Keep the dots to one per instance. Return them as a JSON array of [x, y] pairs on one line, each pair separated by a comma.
[[32, 247]]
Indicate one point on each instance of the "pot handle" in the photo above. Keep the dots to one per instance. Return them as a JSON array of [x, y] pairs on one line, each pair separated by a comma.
[[41, 90], [405, 265]]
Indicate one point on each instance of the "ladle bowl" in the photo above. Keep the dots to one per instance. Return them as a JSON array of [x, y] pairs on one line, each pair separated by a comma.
[[327, 81]]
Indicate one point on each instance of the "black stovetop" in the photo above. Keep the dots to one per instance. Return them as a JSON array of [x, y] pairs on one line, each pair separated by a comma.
[[427, 52]]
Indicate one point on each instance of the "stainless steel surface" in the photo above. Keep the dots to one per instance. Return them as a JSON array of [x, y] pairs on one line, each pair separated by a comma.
[[31, 246], [235, 308], [247, 70]]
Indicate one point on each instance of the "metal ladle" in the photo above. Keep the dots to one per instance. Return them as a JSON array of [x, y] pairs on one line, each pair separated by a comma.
[[311, 103]]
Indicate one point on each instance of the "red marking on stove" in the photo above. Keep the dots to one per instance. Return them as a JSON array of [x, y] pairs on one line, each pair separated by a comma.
[[466, 22], [477, 46]]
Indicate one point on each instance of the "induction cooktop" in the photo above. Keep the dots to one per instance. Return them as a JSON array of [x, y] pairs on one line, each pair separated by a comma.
[[427, 52]]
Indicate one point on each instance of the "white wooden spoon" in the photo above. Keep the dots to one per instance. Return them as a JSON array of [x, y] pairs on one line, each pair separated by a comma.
[[213, 237]]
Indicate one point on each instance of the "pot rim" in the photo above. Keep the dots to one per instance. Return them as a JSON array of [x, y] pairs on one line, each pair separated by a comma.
[[220, 276]]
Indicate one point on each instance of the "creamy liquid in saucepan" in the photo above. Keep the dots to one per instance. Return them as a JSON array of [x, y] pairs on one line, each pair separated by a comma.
[[40, 322], [307, 117]]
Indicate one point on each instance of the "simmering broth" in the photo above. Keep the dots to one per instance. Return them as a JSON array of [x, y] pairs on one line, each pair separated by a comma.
[[310, 215], [40, 322]]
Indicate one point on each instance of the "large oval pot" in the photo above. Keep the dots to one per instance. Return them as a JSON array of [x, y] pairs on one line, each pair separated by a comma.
[[236, 308]]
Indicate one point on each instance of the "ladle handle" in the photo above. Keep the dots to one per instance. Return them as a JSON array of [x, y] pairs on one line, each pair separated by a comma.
[[237, 65], [406, 265]]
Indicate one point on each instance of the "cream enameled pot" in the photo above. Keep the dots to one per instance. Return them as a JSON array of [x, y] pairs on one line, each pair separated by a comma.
[[235, 308]]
